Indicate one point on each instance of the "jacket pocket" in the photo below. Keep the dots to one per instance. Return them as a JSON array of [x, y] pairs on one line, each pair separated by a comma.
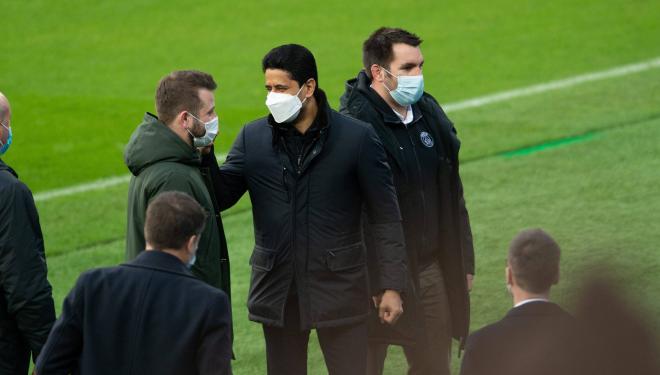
[[262, 259], [345, 258]]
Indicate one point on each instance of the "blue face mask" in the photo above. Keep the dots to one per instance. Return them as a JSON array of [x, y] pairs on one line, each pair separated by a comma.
[[408, 90], [5, 146], [192, 261], [193, 258]]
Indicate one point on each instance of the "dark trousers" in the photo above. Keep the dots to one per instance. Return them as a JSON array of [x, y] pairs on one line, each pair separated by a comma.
[[14, 355], [428, 359], [344, 348]]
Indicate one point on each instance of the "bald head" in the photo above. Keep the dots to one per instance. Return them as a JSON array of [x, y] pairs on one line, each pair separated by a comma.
[[5, 110], [5, 118]]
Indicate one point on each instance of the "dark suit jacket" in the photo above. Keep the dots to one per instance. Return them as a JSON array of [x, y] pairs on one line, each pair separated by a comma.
[[530, 339], [27, 312], [149, 316]]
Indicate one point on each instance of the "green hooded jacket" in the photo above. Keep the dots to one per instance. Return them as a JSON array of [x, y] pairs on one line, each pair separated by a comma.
[[161, 161]]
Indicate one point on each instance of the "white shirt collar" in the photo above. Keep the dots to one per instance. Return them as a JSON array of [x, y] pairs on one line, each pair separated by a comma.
[[530, 300], [409, 115]]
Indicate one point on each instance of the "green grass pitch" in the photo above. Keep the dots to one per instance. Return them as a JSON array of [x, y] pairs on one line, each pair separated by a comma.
[[581, 162]]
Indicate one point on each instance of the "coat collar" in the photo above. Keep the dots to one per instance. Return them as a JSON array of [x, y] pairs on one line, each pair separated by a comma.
[[363, 86], [153, 142], [161, 261], [536, 308], [5, 167]]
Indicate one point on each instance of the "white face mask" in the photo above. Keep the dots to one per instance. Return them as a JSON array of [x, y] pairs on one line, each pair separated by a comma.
[[211, 132], [284, 107]]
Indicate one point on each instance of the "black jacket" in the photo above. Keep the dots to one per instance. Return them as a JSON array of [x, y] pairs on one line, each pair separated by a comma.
[[307, 219], [148, 316], [530, 339], [26, 303], [455, 252]]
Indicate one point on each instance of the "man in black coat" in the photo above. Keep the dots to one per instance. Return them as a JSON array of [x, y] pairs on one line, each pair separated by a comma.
[[422, 149], [532, 338], [27, 312], [148, 316], [310, 171]]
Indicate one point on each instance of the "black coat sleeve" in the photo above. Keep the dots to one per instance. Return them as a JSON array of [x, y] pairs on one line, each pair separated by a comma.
[[215, 350], [63, 349], [229, 180], [465, 232], [23, 271], [383, 213]]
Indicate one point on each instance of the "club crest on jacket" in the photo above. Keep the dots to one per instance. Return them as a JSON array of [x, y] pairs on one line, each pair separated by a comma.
[[426, 139]]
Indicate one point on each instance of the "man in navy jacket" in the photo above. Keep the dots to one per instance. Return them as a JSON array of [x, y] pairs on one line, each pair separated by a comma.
[[534, 335], [149, 316]]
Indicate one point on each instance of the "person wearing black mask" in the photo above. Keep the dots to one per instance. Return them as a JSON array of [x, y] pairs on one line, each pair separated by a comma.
[[311, 173]]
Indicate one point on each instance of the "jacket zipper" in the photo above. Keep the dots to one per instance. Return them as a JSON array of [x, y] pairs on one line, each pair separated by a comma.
[[286, 186], [294, 250], [292, 198], [421, 181], [313, 152]]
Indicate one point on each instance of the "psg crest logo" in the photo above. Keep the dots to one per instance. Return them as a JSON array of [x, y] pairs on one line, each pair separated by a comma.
[[426, 139]]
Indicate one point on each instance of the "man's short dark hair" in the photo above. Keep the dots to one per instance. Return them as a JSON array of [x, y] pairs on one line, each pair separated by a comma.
[[534, 260], [172, 218], [179, 91], [295, 59], [377, 49]]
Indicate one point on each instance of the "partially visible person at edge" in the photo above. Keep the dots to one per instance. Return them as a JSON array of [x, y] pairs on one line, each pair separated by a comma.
[[27, 311], [309, 171], [422, 150], [147, 316], [163, 155], [531, 338]]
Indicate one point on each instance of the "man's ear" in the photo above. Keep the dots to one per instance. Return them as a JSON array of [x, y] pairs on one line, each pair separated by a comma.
[[191, 244], [375, 70], [509, 275], [311, 87], [181, 118], [556, 280]]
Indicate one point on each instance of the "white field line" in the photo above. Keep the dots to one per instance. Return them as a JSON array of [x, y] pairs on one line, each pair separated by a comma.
[[81, 188], [553, 85], [450, 107], [90, 186]]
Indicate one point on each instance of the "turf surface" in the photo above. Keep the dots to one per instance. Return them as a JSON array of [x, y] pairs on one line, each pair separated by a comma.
[[81, 73], [581, 162]]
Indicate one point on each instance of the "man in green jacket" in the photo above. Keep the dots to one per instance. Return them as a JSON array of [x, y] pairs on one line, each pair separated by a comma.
[[163, 154]]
